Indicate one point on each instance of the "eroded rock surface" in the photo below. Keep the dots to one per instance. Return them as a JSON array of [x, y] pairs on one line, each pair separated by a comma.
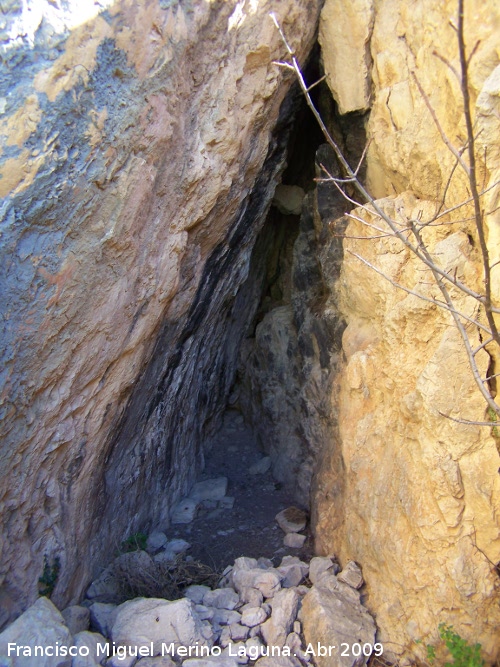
[[138, 157]]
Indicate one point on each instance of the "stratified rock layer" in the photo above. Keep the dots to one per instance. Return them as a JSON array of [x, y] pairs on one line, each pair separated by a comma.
[[137, 161]]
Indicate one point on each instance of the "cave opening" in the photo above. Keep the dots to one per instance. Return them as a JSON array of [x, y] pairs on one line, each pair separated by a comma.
[[273, 430]]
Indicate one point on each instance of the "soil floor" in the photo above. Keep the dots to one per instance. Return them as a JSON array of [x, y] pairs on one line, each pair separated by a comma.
[[218, 536]]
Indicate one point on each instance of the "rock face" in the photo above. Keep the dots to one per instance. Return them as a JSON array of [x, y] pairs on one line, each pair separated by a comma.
[[138, 157], [420, 496]]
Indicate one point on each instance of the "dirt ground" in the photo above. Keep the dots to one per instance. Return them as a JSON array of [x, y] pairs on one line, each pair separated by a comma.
[[220, 535]]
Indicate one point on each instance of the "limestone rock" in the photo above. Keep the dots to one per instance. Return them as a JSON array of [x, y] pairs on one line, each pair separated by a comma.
[[268, 582], [332, 614], [144, 620], [209, 489], [159, 661], [252, 616], [77, 618], [251, 596], [196, 593], [278, 661], [119, 266], [351, 575], [221, 598], [294, 540], [284, 612], [238, 632], [102, 617], [90, 640], [318, 566], [220, 661], [40, 625], [291, 520], [184, 511], [293, 571], [344, 35]]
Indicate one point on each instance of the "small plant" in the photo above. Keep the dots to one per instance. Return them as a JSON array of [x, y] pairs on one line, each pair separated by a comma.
[[493, 417], [136, 542], [463, 654], [47, 582]]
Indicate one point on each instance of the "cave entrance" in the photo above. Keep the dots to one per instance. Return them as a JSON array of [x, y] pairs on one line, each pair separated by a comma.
[[277, 419]]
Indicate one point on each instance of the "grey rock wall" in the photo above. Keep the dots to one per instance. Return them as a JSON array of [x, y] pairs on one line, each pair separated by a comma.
[[132, 138]]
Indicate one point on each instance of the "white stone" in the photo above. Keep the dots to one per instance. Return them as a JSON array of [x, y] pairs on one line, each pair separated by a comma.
[[157, 661], [284, 612], [209, 489], [252, 616], [221, 598], [127, 661], [204, 613], [185, 511], [238, 632], [278, 661], [236, 651], [268, 582], [331, 614], [225, 637], [225, 617], [351, 575], [251, 596], [291, 520], [196, 593], [102, 617], [261, 466], [77, 618], [156, 541], [144, 620], [294, 540], [293, 571], [90, 640], [264, 563], [318, 566], [40, 625], [219, 661], [294, 643]]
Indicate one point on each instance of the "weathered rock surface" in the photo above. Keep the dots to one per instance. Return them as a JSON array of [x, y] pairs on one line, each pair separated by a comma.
[[135, 169], [144, 620], [332, 614], [40, 625]]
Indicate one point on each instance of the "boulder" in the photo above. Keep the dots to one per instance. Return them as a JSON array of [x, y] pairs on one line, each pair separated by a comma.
[[145, 620], [284, 606], [184, 511], [332, 614], [77, 618], [102, 617], [40, 625], [90, 640]]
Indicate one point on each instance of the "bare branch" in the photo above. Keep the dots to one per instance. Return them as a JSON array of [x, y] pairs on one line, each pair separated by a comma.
[[445, 139]]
